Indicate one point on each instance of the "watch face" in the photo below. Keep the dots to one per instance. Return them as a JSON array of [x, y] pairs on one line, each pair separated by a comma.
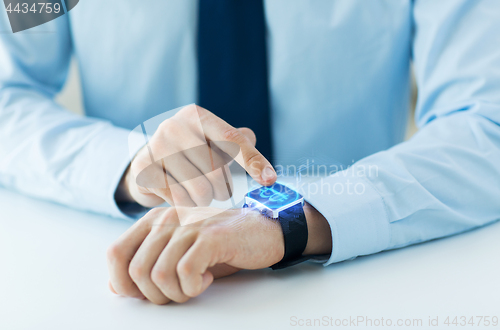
[[275, 196]]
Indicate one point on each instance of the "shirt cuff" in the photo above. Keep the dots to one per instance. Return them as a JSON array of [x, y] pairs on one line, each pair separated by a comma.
[[355, 211]]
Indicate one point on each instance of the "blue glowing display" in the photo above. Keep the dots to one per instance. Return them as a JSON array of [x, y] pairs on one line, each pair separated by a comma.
[[275, 196]]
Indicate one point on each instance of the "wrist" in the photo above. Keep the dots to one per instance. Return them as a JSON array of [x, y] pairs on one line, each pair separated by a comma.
[[274, 235], [319, 240]]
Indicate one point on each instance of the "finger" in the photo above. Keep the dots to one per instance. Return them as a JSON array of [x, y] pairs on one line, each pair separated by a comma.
[[144, 176], [192, 269], [150, 197], [249, 134], [164, 273], [211, 163], [110, 286], [153, 185], [141, 160], [189, 176], [143, 261], [222, 183], [222, 270], [122, 251], [257, 166], [176, 195]]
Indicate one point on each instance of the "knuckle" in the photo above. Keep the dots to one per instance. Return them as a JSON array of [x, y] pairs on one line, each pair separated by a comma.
[[148, 218], [114, 253], [167, 285], [159, 277], [140, 161], [137, 271], [249, 134], [188, 111], [203, 192], [171, 217], [191, 114], [166, 124], [200, 111], [233, 135], [183, 232], [217, 178], [186, 231], [167, 217], [152, 214], [170, 127], [184, 269], [158, 228], [204, 188], [186, 220], [219, 183]]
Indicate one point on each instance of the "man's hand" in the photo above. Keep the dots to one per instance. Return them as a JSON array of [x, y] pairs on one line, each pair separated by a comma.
[[183, 162], [163, 260]]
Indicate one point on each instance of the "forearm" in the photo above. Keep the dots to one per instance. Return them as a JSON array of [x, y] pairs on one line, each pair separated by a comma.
[[50, 153], [441, 182], [46, 151]]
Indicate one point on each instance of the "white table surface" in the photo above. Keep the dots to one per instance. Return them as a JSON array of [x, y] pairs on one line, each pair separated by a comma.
[[53, 275]]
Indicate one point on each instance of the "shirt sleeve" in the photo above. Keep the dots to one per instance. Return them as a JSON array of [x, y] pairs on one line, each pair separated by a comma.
[[446, 179], [46, 151]]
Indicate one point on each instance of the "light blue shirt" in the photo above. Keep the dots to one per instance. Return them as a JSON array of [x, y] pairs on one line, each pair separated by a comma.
[[339, 80]]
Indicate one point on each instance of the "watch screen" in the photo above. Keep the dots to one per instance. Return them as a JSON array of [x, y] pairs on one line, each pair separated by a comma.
[[275, 196]]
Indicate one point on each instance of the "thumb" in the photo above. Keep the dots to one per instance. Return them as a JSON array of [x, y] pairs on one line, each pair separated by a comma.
[[249, 134]]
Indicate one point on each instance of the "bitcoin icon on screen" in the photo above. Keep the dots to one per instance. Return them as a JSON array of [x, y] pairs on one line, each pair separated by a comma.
[[273, 195]]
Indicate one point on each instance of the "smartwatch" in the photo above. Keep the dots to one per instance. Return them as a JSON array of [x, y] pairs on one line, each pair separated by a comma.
[[285, 205]]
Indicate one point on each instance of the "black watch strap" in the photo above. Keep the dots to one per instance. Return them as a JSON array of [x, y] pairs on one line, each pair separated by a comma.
[[294, 226]]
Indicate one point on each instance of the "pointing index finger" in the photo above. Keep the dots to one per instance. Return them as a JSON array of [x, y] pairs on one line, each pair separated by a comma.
[[216, 129]]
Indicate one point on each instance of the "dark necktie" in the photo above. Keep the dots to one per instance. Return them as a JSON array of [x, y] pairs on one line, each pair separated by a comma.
[[232, 65]]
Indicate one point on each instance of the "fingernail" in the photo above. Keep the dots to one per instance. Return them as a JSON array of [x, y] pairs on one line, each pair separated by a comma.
[[268, 173]]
